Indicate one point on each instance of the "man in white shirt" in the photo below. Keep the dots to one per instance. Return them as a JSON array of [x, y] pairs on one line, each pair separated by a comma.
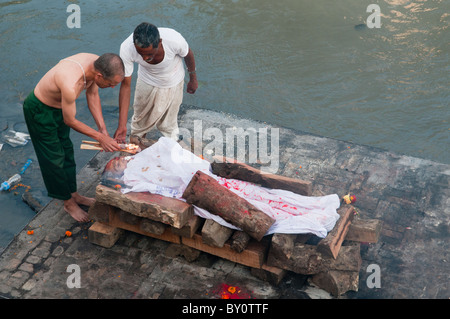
[[159, 53]]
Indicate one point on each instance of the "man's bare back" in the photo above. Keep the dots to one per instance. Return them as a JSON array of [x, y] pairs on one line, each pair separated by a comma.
[[66, 73]]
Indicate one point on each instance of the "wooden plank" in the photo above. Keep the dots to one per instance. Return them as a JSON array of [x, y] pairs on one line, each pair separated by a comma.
[[230, 168], [331, 244], [167, 235], [364, 230], [163, 209], [253, 256]]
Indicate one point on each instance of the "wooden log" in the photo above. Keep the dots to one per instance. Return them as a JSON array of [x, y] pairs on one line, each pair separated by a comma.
[[229, 168], [254, 256], [364, 230], [239, 241], [189, 253], [115, 222], [150, 226], [99, 212], [191, 227], [163, 209], [214, 234], [331, 244], [305, 259], [270, 274], [204, 192], [337, 282], [128, 218], [103, 235]]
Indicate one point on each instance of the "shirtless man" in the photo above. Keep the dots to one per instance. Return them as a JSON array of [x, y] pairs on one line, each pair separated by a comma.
[[50, 112]]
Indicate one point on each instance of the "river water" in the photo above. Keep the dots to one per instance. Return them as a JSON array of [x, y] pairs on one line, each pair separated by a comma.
[[303, 64]]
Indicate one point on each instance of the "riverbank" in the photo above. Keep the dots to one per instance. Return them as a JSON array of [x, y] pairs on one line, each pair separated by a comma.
[[410, 196]]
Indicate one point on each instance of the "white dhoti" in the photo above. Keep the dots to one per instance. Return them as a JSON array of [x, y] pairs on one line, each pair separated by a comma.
[[158, 107]]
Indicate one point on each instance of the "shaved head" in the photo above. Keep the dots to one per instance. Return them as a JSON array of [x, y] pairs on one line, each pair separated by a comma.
[[110, 65]]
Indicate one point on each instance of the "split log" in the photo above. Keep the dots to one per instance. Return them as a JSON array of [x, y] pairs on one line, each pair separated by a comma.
[[214, 234], [152, 227], [331, 244], [103, 235], [270, 274], [230, 168], [305, 259], [364, 230], [129, 218], [204, 192], [99, 212], [239, 241], [190, 254], [337, 282], [116, 222], [159, 208], [191, 227]]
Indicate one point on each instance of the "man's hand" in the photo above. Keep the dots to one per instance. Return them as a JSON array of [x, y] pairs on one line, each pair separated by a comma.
[[192, 86], [121, 135], [104, 131], [108, 144], [189, 59]]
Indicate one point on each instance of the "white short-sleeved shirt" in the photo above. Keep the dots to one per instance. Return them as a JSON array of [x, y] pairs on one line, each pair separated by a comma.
[[169, 72]]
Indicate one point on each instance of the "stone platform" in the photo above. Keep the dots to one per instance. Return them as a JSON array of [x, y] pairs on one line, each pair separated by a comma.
[[410, 195]]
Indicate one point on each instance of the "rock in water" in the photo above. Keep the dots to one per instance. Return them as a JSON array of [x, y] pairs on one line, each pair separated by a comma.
[[360, 27]]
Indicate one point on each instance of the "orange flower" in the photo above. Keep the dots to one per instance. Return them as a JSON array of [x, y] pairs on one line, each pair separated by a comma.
[[232, 289], [30, 232], [349, 198], [117, 186], [68, 233], [225, 296]]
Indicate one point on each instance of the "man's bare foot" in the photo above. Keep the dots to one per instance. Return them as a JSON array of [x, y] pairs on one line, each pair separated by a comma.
[[83, 200], [72, 208]]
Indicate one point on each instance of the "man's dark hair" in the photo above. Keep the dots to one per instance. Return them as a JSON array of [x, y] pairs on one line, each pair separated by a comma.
[[146, 34], [109, 65]]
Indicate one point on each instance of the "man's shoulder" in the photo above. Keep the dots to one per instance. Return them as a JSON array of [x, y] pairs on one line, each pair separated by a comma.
[[127, 49], [170, 34], [128, 41]]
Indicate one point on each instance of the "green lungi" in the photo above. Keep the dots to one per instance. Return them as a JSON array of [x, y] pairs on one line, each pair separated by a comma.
[[54, 149]]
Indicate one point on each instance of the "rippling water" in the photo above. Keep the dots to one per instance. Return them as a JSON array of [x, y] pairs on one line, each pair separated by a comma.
[[300, 64]]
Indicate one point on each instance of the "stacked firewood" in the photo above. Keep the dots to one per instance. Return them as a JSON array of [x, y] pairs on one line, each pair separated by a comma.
[[332, 262]]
